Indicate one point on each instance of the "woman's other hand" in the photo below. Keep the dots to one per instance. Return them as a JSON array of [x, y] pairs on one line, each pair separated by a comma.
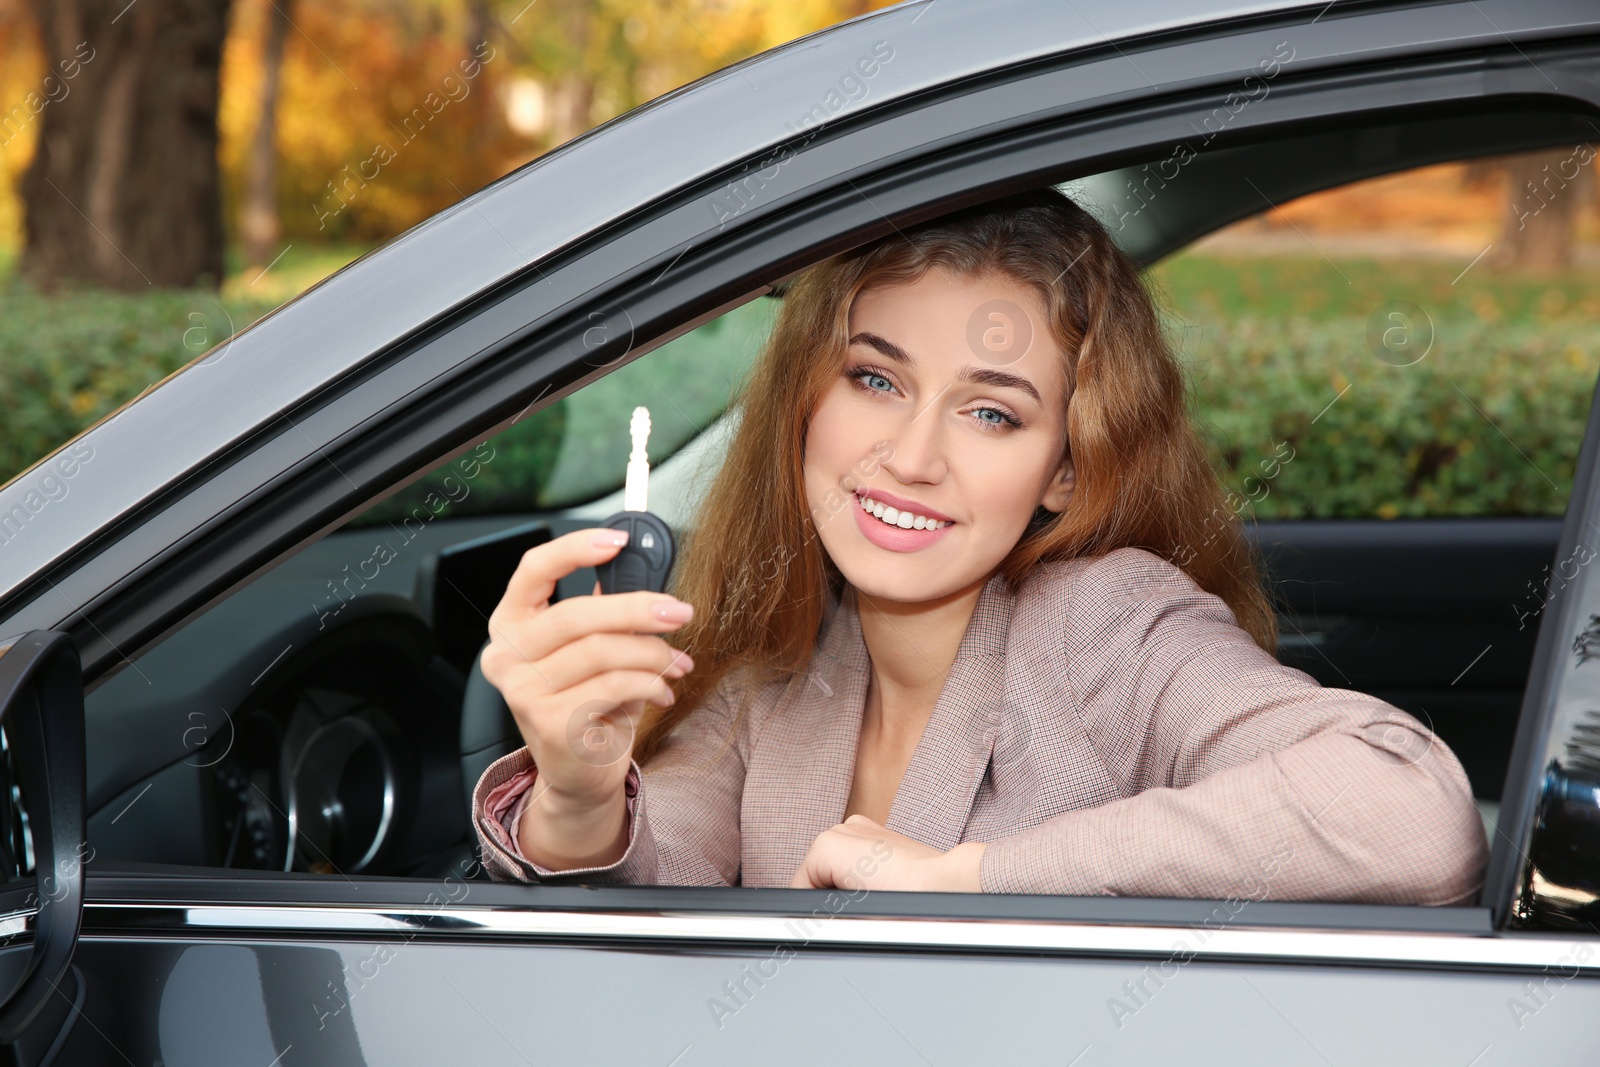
[[860, 854], [577, 675]]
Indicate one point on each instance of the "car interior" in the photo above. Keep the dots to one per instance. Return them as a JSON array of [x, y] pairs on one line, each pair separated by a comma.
[[329, 717]]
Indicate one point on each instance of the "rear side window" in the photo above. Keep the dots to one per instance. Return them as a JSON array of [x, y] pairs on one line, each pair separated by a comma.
[[1420, 344]]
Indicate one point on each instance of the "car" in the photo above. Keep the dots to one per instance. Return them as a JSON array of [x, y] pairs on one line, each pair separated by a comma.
[[243, 719]]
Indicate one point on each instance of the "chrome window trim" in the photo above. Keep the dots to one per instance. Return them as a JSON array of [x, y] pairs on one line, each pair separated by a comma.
[[1235, 942]]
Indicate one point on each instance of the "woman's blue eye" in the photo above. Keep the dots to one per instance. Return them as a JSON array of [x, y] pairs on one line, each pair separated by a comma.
[[1001, 418], [871, 379], [878, 383]]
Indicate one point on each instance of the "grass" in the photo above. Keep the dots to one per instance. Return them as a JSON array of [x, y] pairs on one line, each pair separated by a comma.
[[1211, 286]]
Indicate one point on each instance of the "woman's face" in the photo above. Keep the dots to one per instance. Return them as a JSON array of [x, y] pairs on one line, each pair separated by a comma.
[[950, 407]]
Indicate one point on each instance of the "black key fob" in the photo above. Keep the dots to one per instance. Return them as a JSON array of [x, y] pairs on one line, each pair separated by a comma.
[[645, 562]]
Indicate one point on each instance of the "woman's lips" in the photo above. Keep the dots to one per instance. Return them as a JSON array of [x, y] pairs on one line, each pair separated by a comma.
[[900, 503], [894, 538]]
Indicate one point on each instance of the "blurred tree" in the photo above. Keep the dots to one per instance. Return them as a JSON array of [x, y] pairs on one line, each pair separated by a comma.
[[124, 190], [21, 73], [387, 112], [391, 110], [1546, 188], [258, 214], [594, 59], [1545, 192]]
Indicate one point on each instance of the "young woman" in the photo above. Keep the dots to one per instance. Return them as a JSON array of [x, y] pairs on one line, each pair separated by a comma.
[[959, 613]]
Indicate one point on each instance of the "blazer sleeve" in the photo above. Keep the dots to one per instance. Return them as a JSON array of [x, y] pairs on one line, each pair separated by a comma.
[[1242, 777], [683, 812]]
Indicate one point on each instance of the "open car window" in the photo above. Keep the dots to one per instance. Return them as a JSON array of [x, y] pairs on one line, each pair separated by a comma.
[[1363, 394]]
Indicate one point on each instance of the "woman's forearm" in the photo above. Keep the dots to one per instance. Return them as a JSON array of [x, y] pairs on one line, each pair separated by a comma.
[[560, 836], [1332, 817]]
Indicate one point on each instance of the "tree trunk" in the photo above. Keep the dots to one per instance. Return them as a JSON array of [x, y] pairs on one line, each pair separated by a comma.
[[258, 215], [573, 98], [1546, 189], [124, 189]]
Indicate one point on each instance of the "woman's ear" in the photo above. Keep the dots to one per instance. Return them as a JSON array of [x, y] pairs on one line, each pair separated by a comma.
[[1059, 491]]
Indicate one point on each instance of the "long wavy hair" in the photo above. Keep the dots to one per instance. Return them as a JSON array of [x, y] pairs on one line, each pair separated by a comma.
[[1144, 476]]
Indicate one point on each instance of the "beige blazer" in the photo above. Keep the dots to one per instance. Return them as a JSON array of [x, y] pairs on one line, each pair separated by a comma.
[[1109, 729]]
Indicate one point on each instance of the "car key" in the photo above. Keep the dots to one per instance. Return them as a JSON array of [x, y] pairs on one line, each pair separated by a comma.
[[646, 560]]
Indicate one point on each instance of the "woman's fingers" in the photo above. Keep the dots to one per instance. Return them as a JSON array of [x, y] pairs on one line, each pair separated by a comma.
[[639, 612], [862, 854], [525, 628], [518, 640], [588, 656], [544, 711], [542, 566]]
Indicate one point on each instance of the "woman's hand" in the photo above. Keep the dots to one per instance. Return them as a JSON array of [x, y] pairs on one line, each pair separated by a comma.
[[577, 675], [858, 853]]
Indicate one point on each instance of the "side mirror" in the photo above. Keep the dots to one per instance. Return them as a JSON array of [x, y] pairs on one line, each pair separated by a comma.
[[42, 839]]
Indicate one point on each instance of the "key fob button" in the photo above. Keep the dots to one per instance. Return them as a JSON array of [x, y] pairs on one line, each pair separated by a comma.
[[651, 548], [632, 574]]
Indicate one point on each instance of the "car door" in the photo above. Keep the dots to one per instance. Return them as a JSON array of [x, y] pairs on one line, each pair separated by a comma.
[[355, 968]]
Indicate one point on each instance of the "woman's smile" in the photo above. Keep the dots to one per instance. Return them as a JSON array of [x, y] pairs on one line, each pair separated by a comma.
[[879, 501], [894, 529]]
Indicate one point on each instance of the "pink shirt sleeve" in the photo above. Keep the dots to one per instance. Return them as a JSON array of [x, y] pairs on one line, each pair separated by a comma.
[[685, 833], [504, 804], [1242, 777]]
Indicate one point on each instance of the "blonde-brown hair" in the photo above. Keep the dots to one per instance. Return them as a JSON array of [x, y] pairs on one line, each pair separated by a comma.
[[760, 589]]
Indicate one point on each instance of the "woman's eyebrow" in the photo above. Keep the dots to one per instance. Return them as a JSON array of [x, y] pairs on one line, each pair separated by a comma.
[[969, 373]]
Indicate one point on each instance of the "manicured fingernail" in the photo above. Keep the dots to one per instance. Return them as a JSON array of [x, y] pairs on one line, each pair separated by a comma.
[[673, 611], [681, 665], [610, 539]]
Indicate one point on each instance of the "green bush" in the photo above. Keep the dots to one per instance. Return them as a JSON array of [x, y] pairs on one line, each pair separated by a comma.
[[1488, 422], [71, 358], [1287, 359], [67, 361]]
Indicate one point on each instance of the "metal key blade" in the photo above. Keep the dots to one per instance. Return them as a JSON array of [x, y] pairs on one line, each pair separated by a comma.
[[645, 562], [636, 490]]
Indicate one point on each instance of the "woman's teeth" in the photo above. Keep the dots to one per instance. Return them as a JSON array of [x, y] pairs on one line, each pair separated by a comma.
[[904, 519]]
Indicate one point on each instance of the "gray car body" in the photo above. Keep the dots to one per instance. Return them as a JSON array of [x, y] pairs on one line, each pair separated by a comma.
[[223, 469]]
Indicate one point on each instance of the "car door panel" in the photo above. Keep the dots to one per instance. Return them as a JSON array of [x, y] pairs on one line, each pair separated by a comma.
[[405, 1003]]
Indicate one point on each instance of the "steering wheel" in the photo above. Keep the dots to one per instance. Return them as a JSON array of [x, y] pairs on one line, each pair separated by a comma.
[[335, 760]]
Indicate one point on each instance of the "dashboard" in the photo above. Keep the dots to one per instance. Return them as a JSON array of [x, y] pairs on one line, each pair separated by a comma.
[[312, 721]]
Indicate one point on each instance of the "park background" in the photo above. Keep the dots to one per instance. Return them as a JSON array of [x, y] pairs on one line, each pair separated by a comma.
[[172, 170]]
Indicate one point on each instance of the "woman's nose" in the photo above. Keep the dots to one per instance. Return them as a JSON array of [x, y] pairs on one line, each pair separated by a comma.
[[918, 443]]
